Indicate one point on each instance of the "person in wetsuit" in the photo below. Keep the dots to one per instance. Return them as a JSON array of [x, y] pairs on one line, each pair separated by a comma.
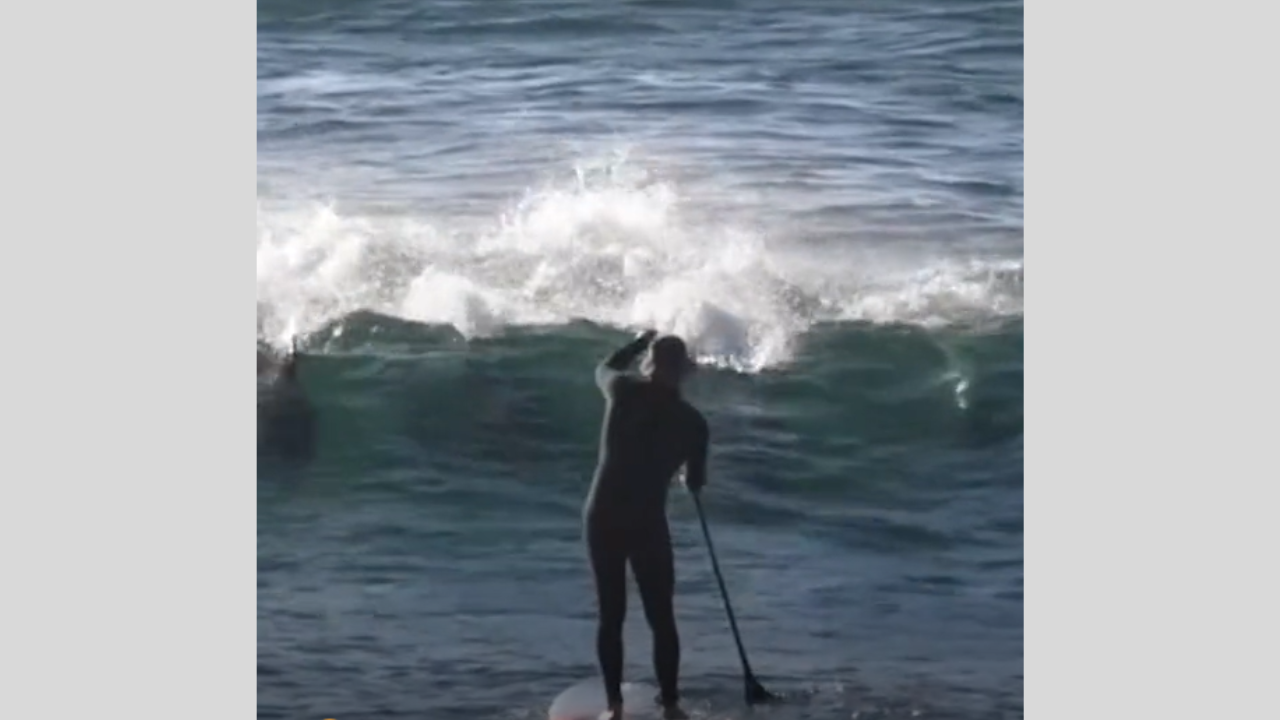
[[286, 418], [649, 432]]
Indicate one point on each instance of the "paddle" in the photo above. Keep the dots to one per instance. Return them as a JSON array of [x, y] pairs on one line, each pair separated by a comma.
[[753, 691]]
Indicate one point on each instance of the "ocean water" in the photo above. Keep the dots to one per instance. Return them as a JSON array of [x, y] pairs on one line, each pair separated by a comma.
[[464, 205]]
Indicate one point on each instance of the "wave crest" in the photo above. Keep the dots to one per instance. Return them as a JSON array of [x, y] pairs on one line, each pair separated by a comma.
[[618, 247]]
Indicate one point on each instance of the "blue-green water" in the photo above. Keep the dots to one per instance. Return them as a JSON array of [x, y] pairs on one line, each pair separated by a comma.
[[464, 205]]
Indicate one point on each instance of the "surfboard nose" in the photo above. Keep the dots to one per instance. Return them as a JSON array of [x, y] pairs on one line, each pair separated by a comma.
[[585, 700]]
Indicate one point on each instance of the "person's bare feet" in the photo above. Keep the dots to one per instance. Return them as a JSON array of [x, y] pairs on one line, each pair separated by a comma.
[[613, 713]]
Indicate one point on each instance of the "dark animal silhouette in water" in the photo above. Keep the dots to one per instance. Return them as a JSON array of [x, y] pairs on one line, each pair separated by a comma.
[[286, 418]]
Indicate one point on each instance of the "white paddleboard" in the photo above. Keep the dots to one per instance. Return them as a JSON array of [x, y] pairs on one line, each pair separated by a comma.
[[585, 700]]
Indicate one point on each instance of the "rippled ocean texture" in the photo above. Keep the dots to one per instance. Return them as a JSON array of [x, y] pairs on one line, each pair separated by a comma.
[[464, 205]]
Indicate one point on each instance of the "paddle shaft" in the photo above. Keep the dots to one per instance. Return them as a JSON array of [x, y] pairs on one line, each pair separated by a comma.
[[724, 593]]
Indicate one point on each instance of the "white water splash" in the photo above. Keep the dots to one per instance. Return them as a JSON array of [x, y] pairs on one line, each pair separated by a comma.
[[623, 252]]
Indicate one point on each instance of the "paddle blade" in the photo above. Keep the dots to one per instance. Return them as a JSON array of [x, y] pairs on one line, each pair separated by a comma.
[[756, 694]]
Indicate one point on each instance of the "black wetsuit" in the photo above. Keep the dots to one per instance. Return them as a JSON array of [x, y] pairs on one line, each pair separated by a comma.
[[649, 431], [286, 418]]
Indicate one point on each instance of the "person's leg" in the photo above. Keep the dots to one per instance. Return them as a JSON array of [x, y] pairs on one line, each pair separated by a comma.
[[654, 566], [609, 566]]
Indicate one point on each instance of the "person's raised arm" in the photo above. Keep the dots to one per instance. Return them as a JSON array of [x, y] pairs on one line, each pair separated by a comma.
[[621, 359], [290, 367]]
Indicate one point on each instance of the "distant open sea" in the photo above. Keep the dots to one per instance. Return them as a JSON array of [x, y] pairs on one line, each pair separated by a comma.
[[464, 205]]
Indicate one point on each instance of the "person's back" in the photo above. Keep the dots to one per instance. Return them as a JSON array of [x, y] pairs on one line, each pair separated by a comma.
[[649, 431]]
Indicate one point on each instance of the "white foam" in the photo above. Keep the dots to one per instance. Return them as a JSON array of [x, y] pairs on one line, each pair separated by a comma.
[[320, 83], [614, 246]]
